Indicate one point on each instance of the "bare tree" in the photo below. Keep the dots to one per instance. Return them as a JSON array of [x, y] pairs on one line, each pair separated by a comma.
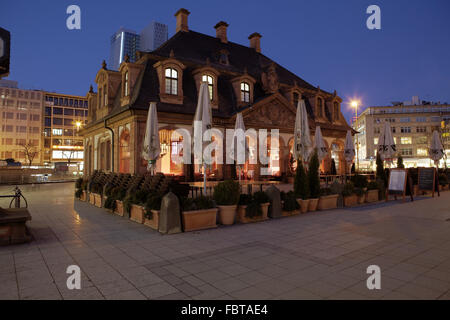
[[69, 155], [30, 152]]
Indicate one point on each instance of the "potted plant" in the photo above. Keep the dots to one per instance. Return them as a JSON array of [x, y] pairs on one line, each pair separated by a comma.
[[350, 198], [244, 200], [198, 214], [118, 196], [360, 194], [443, 181], [313, 182], [328, 199], [301, 187], [95, 196], [290, 205], [372, 192], [263, 199], [135, 205], [226, 195], [152, 210]]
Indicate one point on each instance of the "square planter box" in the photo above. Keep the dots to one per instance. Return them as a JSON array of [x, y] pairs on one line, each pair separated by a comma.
[[328, 202], [243, 219], [290, 213], [361, 199], [119, 208], [137, 213], [153, 222], [351, 201], [91, 198], [98, 200], [199, 219], [84, 196], [372, 196]]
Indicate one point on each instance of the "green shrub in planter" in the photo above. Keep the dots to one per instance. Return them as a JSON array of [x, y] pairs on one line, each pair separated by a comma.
[[381, 188], [245, 199], [400, 164], [199, 203], [381, 173], [261, 197], [253, 209], [78, 193], [313, 177], [227, 193], [359, 191], [349, 189], [290, 202], [78, 183], [301, 185], [327, 192], [110, 203], [359, 181], [372, 185]]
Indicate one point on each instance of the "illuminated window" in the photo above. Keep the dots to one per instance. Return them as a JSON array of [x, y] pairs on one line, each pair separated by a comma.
[[171, 81], [210, 81], [421, 140], [245, 92], [375, 141], [126, 90], [422, 152], [57, 132], [406, 140]]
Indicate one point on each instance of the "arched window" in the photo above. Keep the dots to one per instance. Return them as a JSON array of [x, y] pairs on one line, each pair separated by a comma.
[[171, 81], [124, 152], [210, 81], [319, 107], [245, 92], [336, 110], [126, 88]]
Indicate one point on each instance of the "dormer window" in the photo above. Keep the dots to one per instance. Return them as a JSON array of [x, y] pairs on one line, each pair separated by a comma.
[[245, 92], [296, 97], [336, 110], [210, 81], [319, 107], [171, 81], [126, 91]]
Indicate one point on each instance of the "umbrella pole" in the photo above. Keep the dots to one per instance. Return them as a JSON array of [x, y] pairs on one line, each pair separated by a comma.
[[204, 178]]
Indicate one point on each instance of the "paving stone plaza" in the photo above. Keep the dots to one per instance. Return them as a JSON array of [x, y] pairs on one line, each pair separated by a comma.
[[321, 255]]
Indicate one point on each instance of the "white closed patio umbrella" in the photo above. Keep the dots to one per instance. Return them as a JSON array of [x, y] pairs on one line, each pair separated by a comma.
[[151, 149], [320, 144], [349, 148], [239, 145], [203, 117], [302, 137], [436, 148], [386, 144]]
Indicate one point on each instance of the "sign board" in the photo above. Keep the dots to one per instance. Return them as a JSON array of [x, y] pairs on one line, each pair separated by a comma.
[[399, 184], [428, 180]]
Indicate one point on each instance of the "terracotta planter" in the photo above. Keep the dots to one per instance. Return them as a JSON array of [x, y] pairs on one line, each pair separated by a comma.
[[361, 199], [350, 201], [104, 198], [304, 204], [119, 208], [372, 196], [227, 214], [290, 213], [154, 221], [312, 206], [91, 198], [243, 219], [137, 213], [199, 219], [327, 202]]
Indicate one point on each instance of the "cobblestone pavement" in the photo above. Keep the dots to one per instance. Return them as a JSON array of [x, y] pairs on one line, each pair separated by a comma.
[[322, 255]]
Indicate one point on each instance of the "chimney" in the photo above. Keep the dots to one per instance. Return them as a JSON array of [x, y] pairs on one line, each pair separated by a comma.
[[221, 31], [255, 41], [182, 20]]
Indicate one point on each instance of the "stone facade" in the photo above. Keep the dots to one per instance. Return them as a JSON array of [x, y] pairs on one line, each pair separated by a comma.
[[241, 79]]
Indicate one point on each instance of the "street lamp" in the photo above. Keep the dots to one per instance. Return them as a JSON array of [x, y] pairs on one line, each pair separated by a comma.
[[354, 104]]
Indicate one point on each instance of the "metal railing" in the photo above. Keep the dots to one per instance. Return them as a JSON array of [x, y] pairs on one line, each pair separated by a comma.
[[16, 198]]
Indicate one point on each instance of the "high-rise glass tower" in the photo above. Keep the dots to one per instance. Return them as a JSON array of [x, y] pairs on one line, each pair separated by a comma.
[[153, 36], [123, 42]]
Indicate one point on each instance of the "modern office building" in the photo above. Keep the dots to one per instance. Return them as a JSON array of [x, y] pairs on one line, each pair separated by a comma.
[[128, 42], [21, 124], [412, 126], [64, 116], [153, 36], [123, 42]]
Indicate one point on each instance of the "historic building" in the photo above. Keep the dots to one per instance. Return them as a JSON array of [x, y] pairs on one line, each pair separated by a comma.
[[240, 78]]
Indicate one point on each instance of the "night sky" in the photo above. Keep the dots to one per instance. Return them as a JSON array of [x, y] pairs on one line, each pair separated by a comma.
[[326, 43]]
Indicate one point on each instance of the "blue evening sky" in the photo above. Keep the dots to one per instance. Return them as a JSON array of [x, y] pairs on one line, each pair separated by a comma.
[[324, 42]]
